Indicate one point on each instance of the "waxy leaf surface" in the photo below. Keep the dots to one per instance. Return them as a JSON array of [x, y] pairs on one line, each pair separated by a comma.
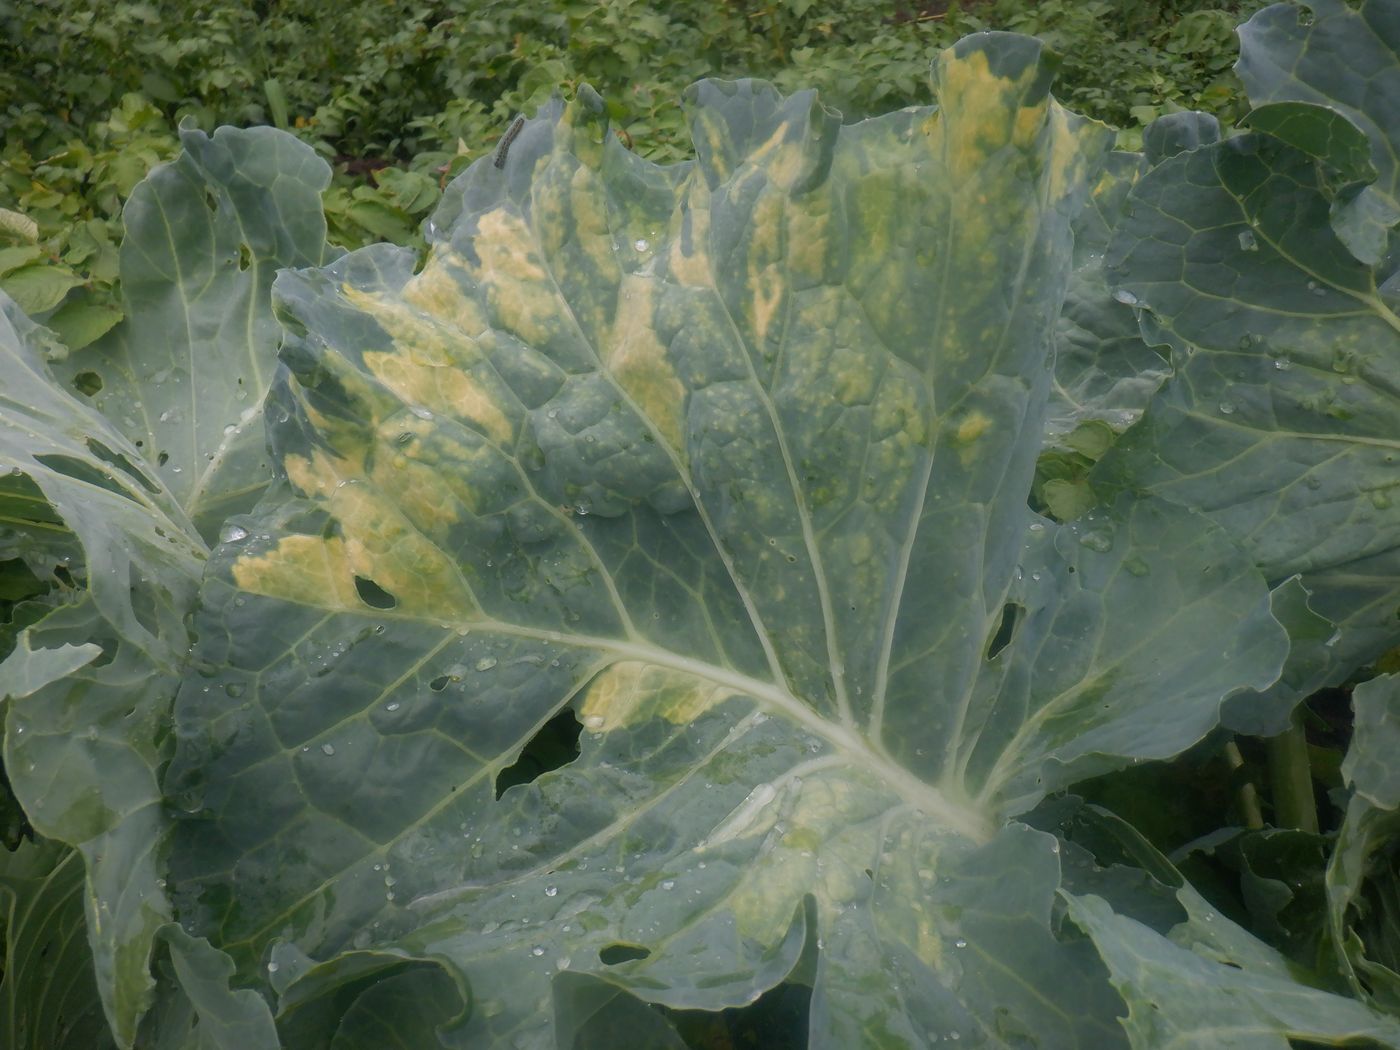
[[115, 490], [730, 461]]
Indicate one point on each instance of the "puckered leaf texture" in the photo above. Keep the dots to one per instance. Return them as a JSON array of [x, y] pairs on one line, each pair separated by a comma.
[[728, 461], [1268, 261]]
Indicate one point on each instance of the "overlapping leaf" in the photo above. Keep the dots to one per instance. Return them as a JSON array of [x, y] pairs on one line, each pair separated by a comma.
[[113, 505], [729, 459], [1328, 82], [1281, 422], [183, 377], [1362, 884]]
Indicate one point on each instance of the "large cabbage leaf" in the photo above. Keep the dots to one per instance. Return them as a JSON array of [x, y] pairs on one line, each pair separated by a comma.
[[729, 460], [1251, 253]]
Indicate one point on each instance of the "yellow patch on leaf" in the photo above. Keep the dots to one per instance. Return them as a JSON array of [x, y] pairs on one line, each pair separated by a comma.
[[631, 693], [638, 361], [518, 287], [437, 292], [308, 570]]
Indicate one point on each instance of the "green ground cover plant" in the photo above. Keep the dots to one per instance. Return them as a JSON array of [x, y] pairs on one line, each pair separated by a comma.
[[401, 98], [778, 596]]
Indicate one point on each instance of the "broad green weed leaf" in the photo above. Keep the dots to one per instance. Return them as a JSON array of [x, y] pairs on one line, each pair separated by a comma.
[[1342, 60], [43, 934], [729, 460], [183, 377]]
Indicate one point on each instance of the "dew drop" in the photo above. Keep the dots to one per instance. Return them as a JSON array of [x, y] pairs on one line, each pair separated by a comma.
[[669, 884], [1037, 527], [1227, 408], [551, 891], [960, 943], [421, 412], [235, 689], [327, 749], [486, 663], [392, 707], [1282, 364], [537, 951], [1125, 297], [1247, 241], [232, 534], [1101, 542], [272, 967], [641, 244]]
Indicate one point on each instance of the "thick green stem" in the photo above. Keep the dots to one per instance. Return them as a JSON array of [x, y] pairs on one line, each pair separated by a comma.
[[1290, 777]]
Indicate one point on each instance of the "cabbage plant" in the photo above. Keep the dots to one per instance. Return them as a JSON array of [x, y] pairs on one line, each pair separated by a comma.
[[721, 467]]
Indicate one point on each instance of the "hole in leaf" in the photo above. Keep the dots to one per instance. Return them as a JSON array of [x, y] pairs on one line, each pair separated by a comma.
[[162, 459], [123, 464], [87, 383], [869, 874], [555, 745], [621, 953], [245, 257], [80, 470], [1011, 614], [63, 576], [440, 683], [373, 595]]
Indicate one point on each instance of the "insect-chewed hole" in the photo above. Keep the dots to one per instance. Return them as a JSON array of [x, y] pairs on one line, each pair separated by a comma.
[[245, 257], [619, 952], [554, 745], [1011, 614], [440, 683], [373, 595], [87, 383]]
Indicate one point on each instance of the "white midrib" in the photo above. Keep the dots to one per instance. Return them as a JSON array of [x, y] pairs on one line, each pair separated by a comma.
[[959, 816]]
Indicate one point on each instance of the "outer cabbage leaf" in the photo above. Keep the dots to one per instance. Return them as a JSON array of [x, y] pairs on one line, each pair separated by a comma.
[[1104, 370], [1280, 422], [730, 459], [82, 734], [185, 374], [1363, 887], [1212, 985], [1330, 85], [117, 502]]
